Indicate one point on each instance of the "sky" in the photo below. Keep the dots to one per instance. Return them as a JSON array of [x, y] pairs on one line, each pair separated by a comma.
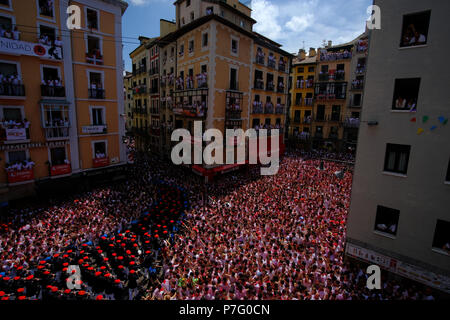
[[295, 24]]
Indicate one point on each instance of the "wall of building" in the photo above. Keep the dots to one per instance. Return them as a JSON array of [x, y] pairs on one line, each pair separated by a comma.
[[421, 195]]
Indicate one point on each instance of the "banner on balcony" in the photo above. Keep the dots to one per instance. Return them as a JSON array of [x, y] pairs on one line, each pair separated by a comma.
[[16, 47], [20, 176], [60, 169], [16, 134]]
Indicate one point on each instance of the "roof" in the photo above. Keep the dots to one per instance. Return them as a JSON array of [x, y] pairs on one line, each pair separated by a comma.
[[122, 4], [272, 45], [307, 60], [143, 44]]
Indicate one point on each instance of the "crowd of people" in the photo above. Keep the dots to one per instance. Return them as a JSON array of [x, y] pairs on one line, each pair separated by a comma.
[[9, 32], [11, 85], [156, 236], [333, 56]]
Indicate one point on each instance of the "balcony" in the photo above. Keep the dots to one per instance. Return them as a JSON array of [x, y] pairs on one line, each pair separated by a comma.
[[308, 101], [96, 93], [154, 110], [260, 59], [95, 129], [16, 176], [14, 133], [358, 85], [340, 76], [141, 89], [56, 132], [330, 96], [12, 90], [279, 109], [100, 162], [96, 59], [282, 67], [268, 108], [257, 108], [259, 84], [351, 122], [202, 81], [140, 70], [360, 70], [333, 136], [154, 90], [233, 114], [61, 169], [318, 135], [53, 91], [280, 89], [271, 63], [270, 86]]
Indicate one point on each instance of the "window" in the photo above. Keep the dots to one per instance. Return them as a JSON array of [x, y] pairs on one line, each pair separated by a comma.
[[93, 46], [357, 100], [298, 99], [17, 156], [297, 116], [320, 113], [188, 3], [397, 157], [386, 220], [234, 46], [46, 8], [311, 69], [191, 46], [47, 35], [97, 116], [447, 178], [92, 19], [4, 3], [192, 16], [300, 70], [242, 24], [56, 116], [205, 40], [415, 29], [100, 150], [12, 114], [233, 79], [58, 156], [441, 238], [181, 49], [335, 113], [406, 92], [209, 10]]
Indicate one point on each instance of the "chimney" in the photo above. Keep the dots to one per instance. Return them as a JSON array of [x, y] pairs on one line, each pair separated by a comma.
[[330, 43], [312, 52], [302, 54]]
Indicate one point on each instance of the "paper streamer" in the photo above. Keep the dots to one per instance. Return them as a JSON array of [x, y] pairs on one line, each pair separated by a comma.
[[433, 128], [420, 131], [441, 119], [445, 121], [414, 120], [425, 119]]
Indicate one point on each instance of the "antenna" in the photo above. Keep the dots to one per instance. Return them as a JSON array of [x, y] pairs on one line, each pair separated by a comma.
[[303, 44]]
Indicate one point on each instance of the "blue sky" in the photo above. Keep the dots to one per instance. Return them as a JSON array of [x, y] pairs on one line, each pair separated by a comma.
[[293, 23]]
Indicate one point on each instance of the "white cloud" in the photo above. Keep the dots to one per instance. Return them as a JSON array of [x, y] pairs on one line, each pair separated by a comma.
[[300, 23], [266, 13], [292, 22], [139, 2]]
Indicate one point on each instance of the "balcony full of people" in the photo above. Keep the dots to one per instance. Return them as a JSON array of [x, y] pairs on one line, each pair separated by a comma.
[[334, 56], [52, 88], [19, 165], [11, 85], [197, 109], [257, 107], [301, 83]]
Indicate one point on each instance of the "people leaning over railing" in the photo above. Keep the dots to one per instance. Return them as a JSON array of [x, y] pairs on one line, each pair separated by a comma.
[[11, 85], [332, 56]]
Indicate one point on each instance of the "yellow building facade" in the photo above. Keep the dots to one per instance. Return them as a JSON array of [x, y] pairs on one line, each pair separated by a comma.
[[61, 92], [303, 73], [208, 67]]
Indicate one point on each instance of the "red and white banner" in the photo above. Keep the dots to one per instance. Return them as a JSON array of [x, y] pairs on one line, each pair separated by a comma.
[[20, 176], [100, 162], [60, 169]]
